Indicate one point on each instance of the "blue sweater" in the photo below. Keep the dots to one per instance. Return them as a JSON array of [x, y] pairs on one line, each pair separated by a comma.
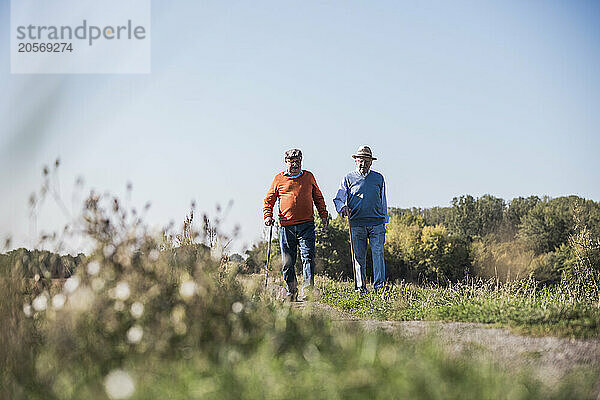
[[365, 197]]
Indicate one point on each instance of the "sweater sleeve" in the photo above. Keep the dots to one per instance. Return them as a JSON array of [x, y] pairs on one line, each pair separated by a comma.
[[341, 196], [318, 199], [270, 199]]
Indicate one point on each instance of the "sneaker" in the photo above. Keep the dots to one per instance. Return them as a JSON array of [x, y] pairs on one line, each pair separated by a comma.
[[306, 295]]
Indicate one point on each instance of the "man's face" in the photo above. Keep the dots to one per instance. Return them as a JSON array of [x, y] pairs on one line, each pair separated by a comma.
[[363, 164], [294, 165]]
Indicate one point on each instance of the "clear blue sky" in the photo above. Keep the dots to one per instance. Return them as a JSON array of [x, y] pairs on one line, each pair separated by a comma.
[[453, 97]]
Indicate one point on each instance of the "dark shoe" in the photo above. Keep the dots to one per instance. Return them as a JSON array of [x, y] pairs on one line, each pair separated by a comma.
[[292, 297]]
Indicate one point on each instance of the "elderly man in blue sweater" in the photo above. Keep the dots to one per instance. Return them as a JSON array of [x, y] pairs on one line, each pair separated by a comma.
[[362, 196]]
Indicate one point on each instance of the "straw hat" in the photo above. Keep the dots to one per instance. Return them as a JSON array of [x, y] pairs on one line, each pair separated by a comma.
[[364, 152]]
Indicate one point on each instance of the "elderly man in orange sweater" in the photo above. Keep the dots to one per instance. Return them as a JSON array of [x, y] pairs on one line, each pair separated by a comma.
[[297, 190]]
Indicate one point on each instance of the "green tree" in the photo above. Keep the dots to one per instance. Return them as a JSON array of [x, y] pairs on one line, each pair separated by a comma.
[[548, 224], [470, 218], [463, 219], [517, 209], [438, 216], [490, 213]]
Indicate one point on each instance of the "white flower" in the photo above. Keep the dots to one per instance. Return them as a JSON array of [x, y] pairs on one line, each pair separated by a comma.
[[237, 307], [71, 284], [58, 301], [134, 334], [154, 255], [40, 302], [187, 289], [27, 310], [122, 291], [119, 384], [137, 309], [93, 267], [109, 250]]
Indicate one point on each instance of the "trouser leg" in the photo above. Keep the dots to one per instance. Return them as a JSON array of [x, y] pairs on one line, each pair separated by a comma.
[[359, 240], [377, 241], [306, 238], [288, 243]]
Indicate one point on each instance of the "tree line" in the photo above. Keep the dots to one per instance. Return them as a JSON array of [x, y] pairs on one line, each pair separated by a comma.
[[485, 237]]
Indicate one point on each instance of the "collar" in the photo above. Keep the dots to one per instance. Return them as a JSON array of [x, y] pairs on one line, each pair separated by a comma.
[[293, 176], [361, 174]]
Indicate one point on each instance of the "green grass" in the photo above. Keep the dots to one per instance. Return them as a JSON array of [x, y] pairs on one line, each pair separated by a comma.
[[264, 350], [520, 305], [205, 336]]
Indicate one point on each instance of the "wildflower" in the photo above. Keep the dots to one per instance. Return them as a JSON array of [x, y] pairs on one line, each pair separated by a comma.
[[153, 255], [58, 301], [27, 310], [134, 334], [137, 309], [237, 307], [93, 268], [122, 291], [109, 250], [187, 289], [119, 384], [40, 302], [71, 284]]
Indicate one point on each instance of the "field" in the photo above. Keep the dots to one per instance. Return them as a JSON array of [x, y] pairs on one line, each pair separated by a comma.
[[176, 334], [146, 317]]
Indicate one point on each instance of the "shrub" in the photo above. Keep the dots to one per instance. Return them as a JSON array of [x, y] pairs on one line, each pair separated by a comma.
[[503, 261], [425, 252]]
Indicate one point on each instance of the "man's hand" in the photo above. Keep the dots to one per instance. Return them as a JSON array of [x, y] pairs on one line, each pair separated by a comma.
[[269, 221], [325, 222], [345, 211]]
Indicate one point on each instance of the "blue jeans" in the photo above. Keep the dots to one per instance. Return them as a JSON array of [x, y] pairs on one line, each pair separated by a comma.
[[376, 236], [289, 238]]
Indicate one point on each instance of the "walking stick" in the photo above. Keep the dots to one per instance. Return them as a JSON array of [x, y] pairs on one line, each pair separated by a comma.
[[352, 251], [268, 255]]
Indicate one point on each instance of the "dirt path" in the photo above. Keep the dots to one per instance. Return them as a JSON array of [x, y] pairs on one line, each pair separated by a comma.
[[549, 358]]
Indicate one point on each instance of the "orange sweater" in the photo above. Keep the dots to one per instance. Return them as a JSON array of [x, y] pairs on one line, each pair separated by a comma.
[[296, 197]]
